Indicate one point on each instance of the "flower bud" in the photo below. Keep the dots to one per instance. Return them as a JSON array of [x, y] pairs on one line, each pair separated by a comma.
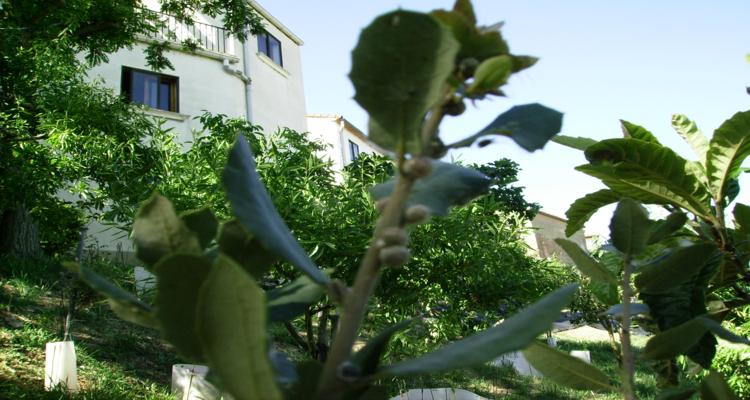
[[418, 167], [394, 256], [395, 236], [417, 214]]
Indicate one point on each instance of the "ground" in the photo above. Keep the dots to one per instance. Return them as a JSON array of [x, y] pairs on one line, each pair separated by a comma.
[[118, 360]]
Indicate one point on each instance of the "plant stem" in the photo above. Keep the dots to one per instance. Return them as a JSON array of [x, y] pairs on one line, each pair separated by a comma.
[[628, 366], [355, 302]]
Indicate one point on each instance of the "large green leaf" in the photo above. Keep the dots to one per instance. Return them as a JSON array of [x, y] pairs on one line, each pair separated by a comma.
[[578, 143], [203, 223], [679, 267], [587, 265], [630, 227], [692, 135], [678, 393], [513, 334], [662, 229], [638, 132], [447, 185], [714, 387], [582, 209], [253, 207], [682, 338], [179, 279], [727, 151], [399, 69], [232, 329], [288, 301], [158, 231], [531, 126], [237, 243], [647, 172], [124, 304], [565, 369]]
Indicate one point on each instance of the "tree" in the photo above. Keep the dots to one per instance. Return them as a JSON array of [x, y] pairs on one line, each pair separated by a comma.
[[60, 131]]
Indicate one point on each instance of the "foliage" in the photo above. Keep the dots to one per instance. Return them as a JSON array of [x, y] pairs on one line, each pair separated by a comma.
[[407, 76], [61, 132]]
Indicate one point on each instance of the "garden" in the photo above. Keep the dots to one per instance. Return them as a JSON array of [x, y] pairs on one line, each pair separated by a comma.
[[289, 280]]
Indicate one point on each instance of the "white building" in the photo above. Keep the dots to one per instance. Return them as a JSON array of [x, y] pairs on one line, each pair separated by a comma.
[[544, 229], [346, 141], [260, 80]]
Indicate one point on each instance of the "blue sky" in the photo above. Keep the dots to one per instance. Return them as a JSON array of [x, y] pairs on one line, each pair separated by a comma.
[[600, 61]]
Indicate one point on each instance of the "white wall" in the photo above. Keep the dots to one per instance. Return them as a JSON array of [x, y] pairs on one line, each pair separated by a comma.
[[336, 132]]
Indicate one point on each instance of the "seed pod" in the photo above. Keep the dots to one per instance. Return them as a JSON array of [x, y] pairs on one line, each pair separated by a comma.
[[418, 167], [394, 256], [395, 236], [417, 214]]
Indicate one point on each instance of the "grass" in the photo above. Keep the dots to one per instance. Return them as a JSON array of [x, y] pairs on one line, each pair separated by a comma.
[[118, 360]]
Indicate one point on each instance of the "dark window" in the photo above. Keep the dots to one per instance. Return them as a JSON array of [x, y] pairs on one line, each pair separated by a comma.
[[149, 88], [353, 150], [270, 46]]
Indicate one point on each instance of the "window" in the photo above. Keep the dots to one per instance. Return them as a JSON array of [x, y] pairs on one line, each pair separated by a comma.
[[149, 88], [353, 150], [270, 46]]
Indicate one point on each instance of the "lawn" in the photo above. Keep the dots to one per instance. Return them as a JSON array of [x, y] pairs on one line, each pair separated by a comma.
[[118, 360]]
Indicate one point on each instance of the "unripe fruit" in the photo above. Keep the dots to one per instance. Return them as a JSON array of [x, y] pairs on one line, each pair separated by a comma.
[[417, 214], [395, 236], [394, 256], [349, 372], [455, 107]]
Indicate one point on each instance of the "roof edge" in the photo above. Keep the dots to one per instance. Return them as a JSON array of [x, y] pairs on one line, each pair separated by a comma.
[[275, 22]]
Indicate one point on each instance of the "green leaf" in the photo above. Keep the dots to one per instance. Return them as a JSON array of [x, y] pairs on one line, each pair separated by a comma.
[[490, 74], [179, 279], [629, 228], [606, 293], [399, 69], [237, 243], [475, 43], [513, 334], [203, 223], [670, 225], [692, 135], [253, 207], [124, 304], [158, 231], [232, 329], [578, 143], [682, 338], [465, 8], [714, 387], [742, 218], [582, 209], [727, 151], [565, 369], [447, 185], [637, 132], [684, 393], [679, 267], [587, 265], [292, 299], [529, 125], [368, 357], [649, 173]]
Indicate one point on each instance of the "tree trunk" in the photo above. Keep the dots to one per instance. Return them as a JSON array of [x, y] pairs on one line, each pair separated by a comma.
[[19, 234]]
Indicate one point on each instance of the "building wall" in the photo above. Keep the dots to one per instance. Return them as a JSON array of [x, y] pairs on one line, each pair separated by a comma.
[[336, 132], [545, 228]]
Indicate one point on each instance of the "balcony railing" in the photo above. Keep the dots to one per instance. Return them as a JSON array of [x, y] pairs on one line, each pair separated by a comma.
[[198, 34]]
